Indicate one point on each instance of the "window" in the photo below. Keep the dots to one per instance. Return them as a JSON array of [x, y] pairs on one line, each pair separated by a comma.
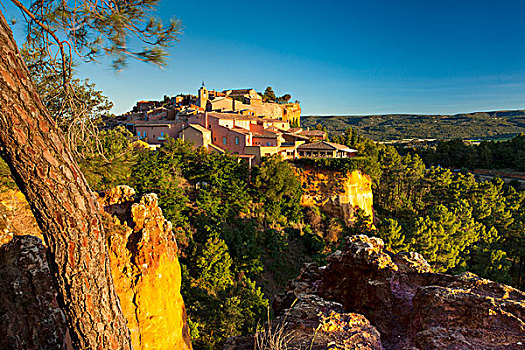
[[224, 140], [236, 140]]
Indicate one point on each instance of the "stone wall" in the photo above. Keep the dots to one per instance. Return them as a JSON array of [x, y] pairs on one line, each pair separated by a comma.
[[292, 113]]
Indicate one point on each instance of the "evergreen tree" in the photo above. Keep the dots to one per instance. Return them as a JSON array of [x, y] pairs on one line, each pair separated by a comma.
[[391, 233], [269, 95], [279, 190]]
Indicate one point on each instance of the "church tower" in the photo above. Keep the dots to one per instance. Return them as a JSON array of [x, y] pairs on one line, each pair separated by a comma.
[[203, 96]]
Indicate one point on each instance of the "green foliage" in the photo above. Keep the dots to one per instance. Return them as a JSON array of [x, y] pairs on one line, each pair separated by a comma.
[[443, 235], [457, 223], [277, 187], [211, 266], [209, 284], [77, 108], [269, 95], [112, 165], [89, 105], [95, 29], [243, 238], [228, 243], [6, 180], [473, 126], [283, 99], [362, 224], [391, 233], [320, 127], [159, 172], [487, 155], [343, 165]]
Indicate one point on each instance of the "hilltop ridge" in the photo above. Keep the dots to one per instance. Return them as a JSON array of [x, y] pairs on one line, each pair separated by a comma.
[[476, 125]]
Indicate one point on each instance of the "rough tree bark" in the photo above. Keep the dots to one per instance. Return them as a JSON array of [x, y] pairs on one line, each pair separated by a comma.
[[63, 205]]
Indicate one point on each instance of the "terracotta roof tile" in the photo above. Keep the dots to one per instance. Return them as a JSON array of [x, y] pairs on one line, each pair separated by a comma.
[[324, 145], [313, 133], [232, 116]]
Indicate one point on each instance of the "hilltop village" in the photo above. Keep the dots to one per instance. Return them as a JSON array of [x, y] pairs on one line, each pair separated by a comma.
[[241, 122]]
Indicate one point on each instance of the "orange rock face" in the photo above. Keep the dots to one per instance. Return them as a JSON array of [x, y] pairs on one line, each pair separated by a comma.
[[144, 263], [146, 271], [16, 218], [336, 193]]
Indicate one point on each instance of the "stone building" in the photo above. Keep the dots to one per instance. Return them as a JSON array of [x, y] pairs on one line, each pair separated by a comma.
[[325, 149]]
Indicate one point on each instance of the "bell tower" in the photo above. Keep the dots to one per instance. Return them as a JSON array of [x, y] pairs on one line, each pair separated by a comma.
[[203, 96]]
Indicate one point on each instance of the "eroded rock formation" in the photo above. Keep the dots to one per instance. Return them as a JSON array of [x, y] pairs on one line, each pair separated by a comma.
[[338, 194], [145, 269], [29, 314], [412, 307], [16, 218]]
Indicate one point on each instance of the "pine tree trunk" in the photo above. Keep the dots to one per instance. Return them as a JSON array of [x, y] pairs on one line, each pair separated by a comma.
[[63, 204]]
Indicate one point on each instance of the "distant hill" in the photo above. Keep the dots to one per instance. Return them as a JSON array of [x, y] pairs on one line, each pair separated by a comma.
[[478, 125]]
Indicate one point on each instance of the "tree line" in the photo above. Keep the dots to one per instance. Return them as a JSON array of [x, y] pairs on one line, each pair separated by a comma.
[[457, 223], [457, 153]]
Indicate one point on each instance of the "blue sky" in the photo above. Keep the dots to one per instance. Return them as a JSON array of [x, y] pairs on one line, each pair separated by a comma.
[[339, 57]]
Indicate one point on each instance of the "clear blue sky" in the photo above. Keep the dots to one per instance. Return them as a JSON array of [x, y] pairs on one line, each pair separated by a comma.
[[340, 57]]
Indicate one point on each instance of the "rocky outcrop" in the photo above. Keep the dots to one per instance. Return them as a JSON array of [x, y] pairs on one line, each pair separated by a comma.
[[412, 307], [16, 218], [314, 322], [338, 194], [29, 314], [146, 274], [146, 271]]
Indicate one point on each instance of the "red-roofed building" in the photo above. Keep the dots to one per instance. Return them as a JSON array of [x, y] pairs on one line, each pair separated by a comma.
[[325, 149]]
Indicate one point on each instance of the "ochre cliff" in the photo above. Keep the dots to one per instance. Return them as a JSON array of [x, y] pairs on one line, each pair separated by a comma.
[[16, 217], [399, 295], [336, 193], [145, 268]]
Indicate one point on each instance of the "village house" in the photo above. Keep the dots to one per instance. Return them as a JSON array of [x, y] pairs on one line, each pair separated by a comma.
[[197, 134], [160, 113], [234, 132], [234, 121], [314, 134], [325, 149], [155, 132], [144, 106], [246, 101]]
